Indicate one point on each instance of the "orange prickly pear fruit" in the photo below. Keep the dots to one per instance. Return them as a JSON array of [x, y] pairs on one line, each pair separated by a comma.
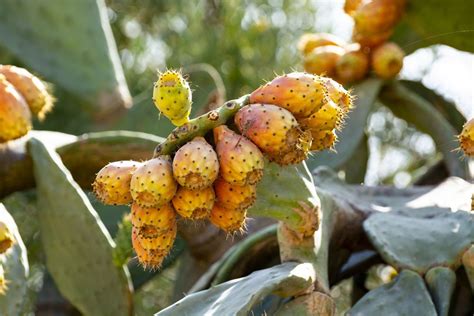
[[147, 258], [322, 60], [172, 96], [338, 94], [240, 160], [377, 16], [195, 164], [194, 204], [152, 183], [235, 197], [323, 139], [158, 241], [229, 220], [352, 66], [275, 131], [112, 183], [15, 116], [371, 40], [6, 238], [152, 221], [466, 139], [300, 93], [387, 60], [329, 117], [350, 6], [310, 41], [33, 90]]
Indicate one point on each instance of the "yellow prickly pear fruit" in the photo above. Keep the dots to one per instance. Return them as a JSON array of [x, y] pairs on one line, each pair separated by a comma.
[[387, 60], [338, 94], [329, 117], [310, 41], [112, 183], [322, 60], [350, 6], [148, 258], [172, 96], [240, 160], [229, 220], [31, 88], [352, 66], [300, 93], [371, 40], [153, 183], [152, 221], [275, 131], [466, 139], [195, 164], [6, 238], [324, 139], [15, 116], [3, 282], [194, 204], [377, 16], [235, 197]]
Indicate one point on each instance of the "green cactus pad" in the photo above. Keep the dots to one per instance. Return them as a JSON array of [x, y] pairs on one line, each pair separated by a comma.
[[77, 245], [441, 282], [405, 296], [16, 268], [421, 243], [237, 297], [70, 43]]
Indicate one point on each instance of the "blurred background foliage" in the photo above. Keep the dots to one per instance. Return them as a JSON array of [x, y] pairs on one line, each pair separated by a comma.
[[228, 48]]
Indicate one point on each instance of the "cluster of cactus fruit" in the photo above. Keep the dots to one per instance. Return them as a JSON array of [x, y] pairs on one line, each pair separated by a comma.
[[374, 22], [283, 121], [21, 95]]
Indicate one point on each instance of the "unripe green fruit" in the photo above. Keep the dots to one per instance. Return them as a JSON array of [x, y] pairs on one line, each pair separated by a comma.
[[172, 96]]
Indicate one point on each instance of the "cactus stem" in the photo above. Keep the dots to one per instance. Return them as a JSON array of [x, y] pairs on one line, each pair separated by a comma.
[[200, 125]]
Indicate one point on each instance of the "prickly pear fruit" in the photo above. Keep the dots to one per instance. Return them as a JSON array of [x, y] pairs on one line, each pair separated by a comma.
[[229, 220], [338, 94], [194, 204], [112, 183], [466, 139], [3, 282], [15, 116], [387, 60], [240, 160], [350, 6], [159, 242], [377, 16], [6, 238], [300, 93], [33, 90], [152, 221], [148, 258], [324, 139], [195, 165], [352, 66], [153, 183], [371, 40], [329, 117], [275, 131], [172, 96], [322, 60], [235, 197], [310, 41]]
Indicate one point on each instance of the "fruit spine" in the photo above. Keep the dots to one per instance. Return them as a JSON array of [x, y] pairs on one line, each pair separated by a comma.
[[172, 97]]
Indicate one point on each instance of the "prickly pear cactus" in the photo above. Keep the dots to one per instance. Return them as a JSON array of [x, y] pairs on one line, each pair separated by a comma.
[[15, 272]]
